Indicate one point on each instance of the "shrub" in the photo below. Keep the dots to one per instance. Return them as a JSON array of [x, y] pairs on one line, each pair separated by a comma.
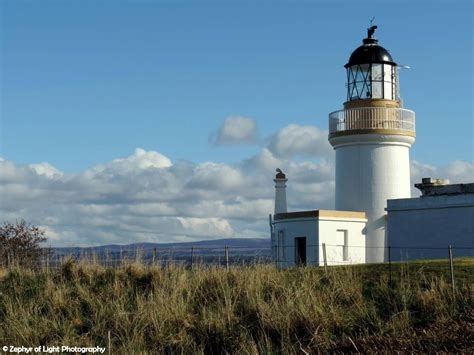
[[20, 243]]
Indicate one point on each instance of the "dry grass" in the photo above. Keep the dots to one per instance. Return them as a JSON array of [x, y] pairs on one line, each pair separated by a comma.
[[245, 310]]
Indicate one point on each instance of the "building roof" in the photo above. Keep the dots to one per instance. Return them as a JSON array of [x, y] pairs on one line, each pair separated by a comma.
[[436, 187], [370, 52], [320, 213]]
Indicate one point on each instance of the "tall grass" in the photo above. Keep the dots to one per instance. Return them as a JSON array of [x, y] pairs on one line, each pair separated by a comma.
[[171, 309]]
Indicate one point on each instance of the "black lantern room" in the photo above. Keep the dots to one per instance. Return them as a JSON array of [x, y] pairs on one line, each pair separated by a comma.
[[371, 72]]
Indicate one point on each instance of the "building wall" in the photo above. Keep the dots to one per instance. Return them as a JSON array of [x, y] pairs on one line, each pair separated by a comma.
[[416, 224], [293, 228], [318, 230], [331, 233], [369, 170]]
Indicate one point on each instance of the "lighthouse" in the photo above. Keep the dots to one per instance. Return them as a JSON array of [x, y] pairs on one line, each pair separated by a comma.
[[280, 191], [372, 136]]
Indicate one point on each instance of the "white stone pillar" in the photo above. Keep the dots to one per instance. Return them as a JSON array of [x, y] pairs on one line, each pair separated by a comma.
[[280, 192]]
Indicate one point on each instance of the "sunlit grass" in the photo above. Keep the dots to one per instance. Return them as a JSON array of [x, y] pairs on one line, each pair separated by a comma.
[[254, 309]]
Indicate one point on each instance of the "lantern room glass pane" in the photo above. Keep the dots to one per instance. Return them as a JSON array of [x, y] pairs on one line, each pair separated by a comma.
[[377, 77], [361, 72], [374, 80], [388, 81], [377, 92], [396, 84], [387, 90], [376, 72], [359, 82], [387, 72]]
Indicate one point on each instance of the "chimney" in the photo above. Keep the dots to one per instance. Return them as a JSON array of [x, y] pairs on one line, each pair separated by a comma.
[[280, 192], [430, 186], [438, 187]]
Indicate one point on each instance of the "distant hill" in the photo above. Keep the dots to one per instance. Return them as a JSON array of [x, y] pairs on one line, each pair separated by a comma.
[[240, 243]]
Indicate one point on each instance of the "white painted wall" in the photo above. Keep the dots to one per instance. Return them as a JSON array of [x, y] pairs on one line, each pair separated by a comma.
[[280, 195], [330, 234], [370, 169], [430, 222], [293, 228], [318, 230]]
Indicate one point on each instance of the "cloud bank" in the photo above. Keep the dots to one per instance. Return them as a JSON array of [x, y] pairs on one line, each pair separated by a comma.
[[295, 139], [235, 130], [148, 197]]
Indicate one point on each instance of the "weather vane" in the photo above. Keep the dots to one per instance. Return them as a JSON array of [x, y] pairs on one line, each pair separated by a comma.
[[372, 28]]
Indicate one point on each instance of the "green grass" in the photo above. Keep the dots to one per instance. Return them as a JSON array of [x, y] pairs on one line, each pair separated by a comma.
[[463, 268], [254, 309]]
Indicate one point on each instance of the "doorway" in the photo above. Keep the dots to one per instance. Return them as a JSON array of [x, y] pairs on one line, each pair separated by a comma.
[[300, 251]]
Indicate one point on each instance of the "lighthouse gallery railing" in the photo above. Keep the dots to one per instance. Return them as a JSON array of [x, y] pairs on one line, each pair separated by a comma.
[[372, 118]]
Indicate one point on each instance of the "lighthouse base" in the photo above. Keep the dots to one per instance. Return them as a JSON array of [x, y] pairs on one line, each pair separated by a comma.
[[370, 169]]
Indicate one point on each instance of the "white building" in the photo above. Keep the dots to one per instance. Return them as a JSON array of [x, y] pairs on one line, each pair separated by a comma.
[[371, 137], [423, 227], [300, 237]]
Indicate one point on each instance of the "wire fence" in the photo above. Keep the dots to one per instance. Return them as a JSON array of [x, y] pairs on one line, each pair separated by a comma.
[[194, 256], [392, 267], [342, 254], [227, 256]]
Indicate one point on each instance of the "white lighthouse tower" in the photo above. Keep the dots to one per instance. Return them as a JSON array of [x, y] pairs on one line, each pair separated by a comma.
[[280, 192], [372, 136]]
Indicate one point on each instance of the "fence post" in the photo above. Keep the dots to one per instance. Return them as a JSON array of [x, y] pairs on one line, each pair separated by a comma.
[[450, 251], [277, 258], [109, 342], [107, 258], [192, 257], [325, 259], [154, 255], [227, 258]]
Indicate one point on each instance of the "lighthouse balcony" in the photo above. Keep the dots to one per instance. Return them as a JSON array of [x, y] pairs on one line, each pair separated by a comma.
[[372, 120]]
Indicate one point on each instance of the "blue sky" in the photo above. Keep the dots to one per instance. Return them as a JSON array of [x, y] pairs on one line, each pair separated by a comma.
[[84, 81], [118, 118]]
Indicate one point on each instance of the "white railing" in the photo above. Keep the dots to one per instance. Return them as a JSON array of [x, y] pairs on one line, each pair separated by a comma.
[[367, 118]]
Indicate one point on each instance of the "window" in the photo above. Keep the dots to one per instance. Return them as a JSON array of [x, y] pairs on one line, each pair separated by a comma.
[[367, 81], [345, 252], [388, 81], [377, 73], [359, 82], [281, 245], [343, 237]]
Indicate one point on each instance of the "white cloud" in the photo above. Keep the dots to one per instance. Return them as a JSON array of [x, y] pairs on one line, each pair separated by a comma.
[[46, 169], [456, 172], [211, 176], [209, 227], [235, 130], [139, 160], [459, 171], [295, 139], [145, 197]]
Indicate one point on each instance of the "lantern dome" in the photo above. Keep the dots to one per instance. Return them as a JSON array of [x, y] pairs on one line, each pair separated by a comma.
[[370, 52]]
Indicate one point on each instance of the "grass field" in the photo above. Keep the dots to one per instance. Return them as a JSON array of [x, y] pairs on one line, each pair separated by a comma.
[[255, 309]]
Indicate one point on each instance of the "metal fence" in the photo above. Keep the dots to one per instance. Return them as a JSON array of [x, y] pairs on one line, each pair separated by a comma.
[[341, 254], [227, 256]]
